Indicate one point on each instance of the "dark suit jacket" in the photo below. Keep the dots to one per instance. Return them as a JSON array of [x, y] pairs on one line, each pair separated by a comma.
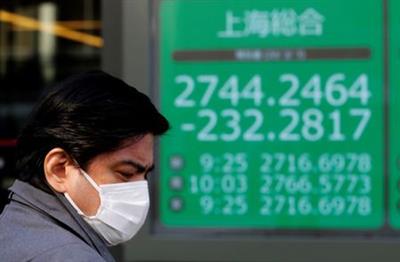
[[37, 226]]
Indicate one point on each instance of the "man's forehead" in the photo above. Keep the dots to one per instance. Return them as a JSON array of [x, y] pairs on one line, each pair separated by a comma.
[[134, 154]]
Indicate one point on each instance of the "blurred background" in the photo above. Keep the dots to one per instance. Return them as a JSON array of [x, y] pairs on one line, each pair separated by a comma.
[[284, 143], [41, 42]]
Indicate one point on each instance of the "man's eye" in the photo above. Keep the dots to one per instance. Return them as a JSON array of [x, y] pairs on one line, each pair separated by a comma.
[[126, 174]]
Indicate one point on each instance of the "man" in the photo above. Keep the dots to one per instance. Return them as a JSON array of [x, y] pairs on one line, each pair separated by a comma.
[[83, 159]]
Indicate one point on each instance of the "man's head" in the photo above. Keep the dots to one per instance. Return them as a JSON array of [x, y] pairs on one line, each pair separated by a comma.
[[92, 121]]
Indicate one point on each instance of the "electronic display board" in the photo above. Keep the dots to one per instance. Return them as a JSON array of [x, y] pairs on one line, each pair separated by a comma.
[[394, 112], [278, 115]]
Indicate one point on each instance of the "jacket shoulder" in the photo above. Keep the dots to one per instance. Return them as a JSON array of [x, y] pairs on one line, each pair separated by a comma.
[[25, 235], [73, 252]]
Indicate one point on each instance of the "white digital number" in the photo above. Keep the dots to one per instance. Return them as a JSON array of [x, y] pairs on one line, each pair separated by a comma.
[[207, 204], [287, 133], [212, 82], [233, 124], [251, 133], [252, 90], [337, 134], [205, 134], [365, 115], [312, 90], [201, 184], [230, 90], [335, 91], [359, 89], [287, 98], [207, 162], [183, 99]]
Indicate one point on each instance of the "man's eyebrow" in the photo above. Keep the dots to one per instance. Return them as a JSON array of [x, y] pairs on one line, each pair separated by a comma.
[[138, 166]]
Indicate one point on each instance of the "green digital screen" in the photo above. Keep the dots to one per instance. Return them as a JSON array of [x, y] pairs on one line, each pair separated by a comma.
[[394, 112], [279, 114]]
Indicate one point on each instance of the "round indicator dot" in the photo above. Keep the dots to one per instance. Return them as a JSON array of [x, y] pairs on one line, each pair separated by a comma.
[[271, 101], [176, 163], [176, 204], [271, 136], [176, 183]]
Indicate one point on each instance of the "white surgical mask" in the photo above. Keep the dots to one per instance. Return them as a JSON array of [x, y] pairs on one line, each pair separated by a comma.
[[122, 211]]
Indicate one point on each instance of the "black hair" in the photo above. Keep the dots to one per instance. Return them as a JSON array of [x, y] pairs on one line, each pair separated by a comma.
[[86, 115]]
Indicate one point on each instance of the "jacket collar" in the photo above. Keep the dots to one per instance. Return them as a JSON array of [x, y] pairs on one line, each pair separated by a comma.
[[57, 207]]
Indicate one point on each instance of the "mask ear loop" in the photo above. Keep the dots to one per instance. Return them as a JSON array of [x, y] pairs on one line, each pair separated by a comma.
[[67, 196], [96, 187], [90, 180]]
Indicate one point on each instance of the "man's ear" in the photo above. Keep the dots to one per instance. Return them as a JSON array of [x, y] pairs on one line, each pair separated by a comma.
[[56, 164]]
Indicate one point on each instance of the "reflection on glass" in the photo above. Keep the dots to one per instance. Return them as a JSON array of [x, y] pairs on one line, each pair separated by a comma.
[[41, 42]]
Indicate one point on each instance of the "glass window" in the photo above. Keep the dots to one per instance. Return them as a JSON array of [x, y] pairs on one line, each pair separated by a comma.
[[41, 42]]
